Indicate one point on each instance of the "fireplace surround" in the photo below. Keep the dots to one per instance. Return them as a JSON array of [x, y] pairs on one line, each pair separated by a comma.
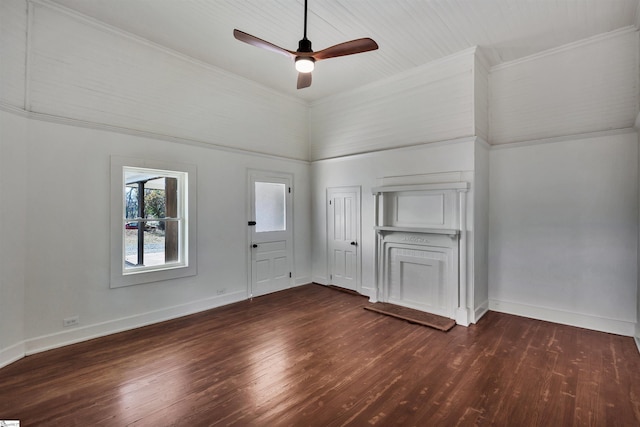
[[421, 248]]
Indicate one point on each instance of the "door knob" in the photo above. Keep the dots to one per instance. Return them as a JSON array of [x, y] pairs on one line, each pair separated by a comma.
[[354, 244], [254, 245]]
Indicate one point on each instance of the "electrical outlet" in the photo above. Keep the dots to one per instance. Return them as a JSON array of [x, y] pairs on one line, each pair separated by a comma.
[[70, 321]]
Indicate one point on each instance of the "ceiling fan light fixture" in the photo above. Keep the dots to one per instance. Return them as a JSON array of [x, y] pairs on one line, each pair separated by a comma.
[[305, 64], [305, 57]]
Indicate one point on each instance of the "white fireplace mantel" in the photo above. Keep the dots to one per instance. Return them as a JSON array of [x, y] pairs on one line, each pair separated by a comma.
[[448, 231], [421, 187], [411, 221]]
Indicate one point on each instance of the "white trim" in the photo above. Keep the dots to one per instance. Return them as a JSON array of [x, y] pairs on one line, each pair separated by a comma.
[[320, 280], [367, 292], [409, 147], [448, 231], [483, 58], [28, 57], [480, 311], [462, 311], [188, 266], [637, 340], [357, 189], [569, 46], [301, 281], [596, 323], [12, 353], [480, 141], [563, 138], [144, 134], [421, 187], [75, 335], [288, 179], [415, 71]]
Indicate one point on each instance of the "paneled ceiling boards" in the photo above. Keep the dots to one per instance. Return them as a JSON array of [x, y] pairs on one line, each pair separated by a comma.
[[409, 33]]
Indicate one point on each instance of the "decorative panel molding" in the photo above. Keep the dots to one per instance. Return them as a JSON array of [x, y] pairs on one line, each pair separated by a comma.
[[582, 87], [419, 271], [13, 48], [418, 278], [428, 209], [85, 70], [425, 104]]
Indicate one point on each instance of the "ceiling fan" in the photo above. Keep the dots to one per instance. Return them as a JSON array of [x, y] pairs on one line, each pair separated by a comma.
[[305, 57]]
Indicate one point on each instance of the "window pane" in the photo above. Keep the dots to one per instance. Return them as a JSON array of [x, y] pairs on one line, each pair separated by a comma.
[[151, 196], [154, 245], [270, 206], [131, 244]]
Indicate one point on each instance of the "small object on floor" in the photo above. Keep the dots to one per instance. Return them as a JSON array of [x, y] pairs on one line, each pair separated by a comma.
[[414, 316]]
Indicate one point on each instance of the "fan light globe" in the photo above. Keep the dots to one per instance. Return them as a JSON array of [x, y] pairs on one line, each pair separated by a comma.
[[304, 65]]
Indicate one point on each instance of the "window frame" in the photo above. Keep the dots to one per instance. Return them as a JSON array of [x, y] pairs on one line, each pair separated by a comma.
[[121, 276]]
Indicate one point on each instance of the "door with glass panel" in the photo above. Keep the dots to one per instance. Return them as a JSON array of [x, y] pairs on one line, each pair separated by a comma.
[[270, 232]]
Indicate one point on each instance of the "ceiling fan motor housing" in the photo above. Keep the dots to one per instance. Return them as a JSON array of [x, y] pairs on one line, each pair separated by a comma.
[[304, 45]]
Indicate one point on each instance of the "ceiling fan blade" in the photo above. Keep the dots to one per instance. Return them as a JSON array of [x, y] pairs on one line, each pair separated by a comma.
[[254, 41], [347, 48], [304, 80]]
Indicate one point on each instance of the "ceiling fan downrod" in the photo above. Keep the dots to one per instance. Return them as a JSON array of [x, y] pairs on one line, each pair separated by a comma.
[[304, 45]]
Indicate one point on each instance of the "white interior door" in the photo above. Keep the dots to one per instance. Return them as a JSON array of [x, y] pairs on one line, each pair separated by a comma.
[[270, 236], [343, 215]]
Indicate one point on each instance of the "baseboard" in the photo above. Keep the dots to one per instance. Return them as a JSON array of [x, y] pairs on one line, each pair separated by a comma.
[[637, 340], [367, 292], [480, 311], [613, 326], [321, 280], [84, 333], [12, 353], [299, 281]]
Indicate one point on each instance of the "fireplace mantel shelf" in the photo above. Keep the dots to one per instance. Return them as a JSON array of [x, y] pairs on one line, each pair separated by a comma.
[[459, 186], [448, 231]]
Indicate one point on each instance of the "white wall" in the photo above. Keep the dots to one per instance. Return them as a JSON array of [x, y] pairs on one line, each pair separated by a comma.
[[81, 69], [425, 104], [74, 92], [366, 170], [434, 104], [637, 337], [480, 230], [13, 43], [580, 192], [587, 86], [66, 244], [564, 231], [13, 228]]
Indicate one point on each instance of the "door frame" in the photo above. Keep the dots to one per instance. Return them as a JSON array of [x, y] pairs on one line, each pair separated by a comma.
[[343, 189], [266, 174]]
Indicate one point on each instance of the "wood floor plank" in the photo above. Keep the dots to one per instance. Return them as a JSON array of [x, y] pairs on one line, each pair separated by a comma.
[[311, 356]]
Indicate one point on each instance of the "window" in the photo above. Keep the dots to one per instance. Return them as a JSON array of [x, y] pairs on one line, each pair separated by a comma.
[[270, 200], [153, 221]]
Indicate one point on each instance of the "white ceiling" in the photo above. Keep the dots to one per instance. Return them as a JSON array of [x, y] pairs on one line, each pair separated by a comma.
[[409, 32]]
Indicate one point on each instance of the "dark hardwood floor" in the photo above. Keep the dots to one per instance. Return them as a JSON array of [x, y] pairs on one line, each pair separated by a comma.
[[312, 356]]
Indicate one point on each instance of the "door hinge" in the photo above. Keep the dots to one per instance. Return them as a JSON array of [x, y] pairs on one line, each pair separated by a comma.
[[289, 274], [289, 190], [331, 277], [329, 201]]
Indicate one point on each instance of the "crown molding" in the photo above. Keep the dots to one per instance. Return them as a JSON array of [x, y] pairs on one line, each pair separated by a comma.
[[569, 46]]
